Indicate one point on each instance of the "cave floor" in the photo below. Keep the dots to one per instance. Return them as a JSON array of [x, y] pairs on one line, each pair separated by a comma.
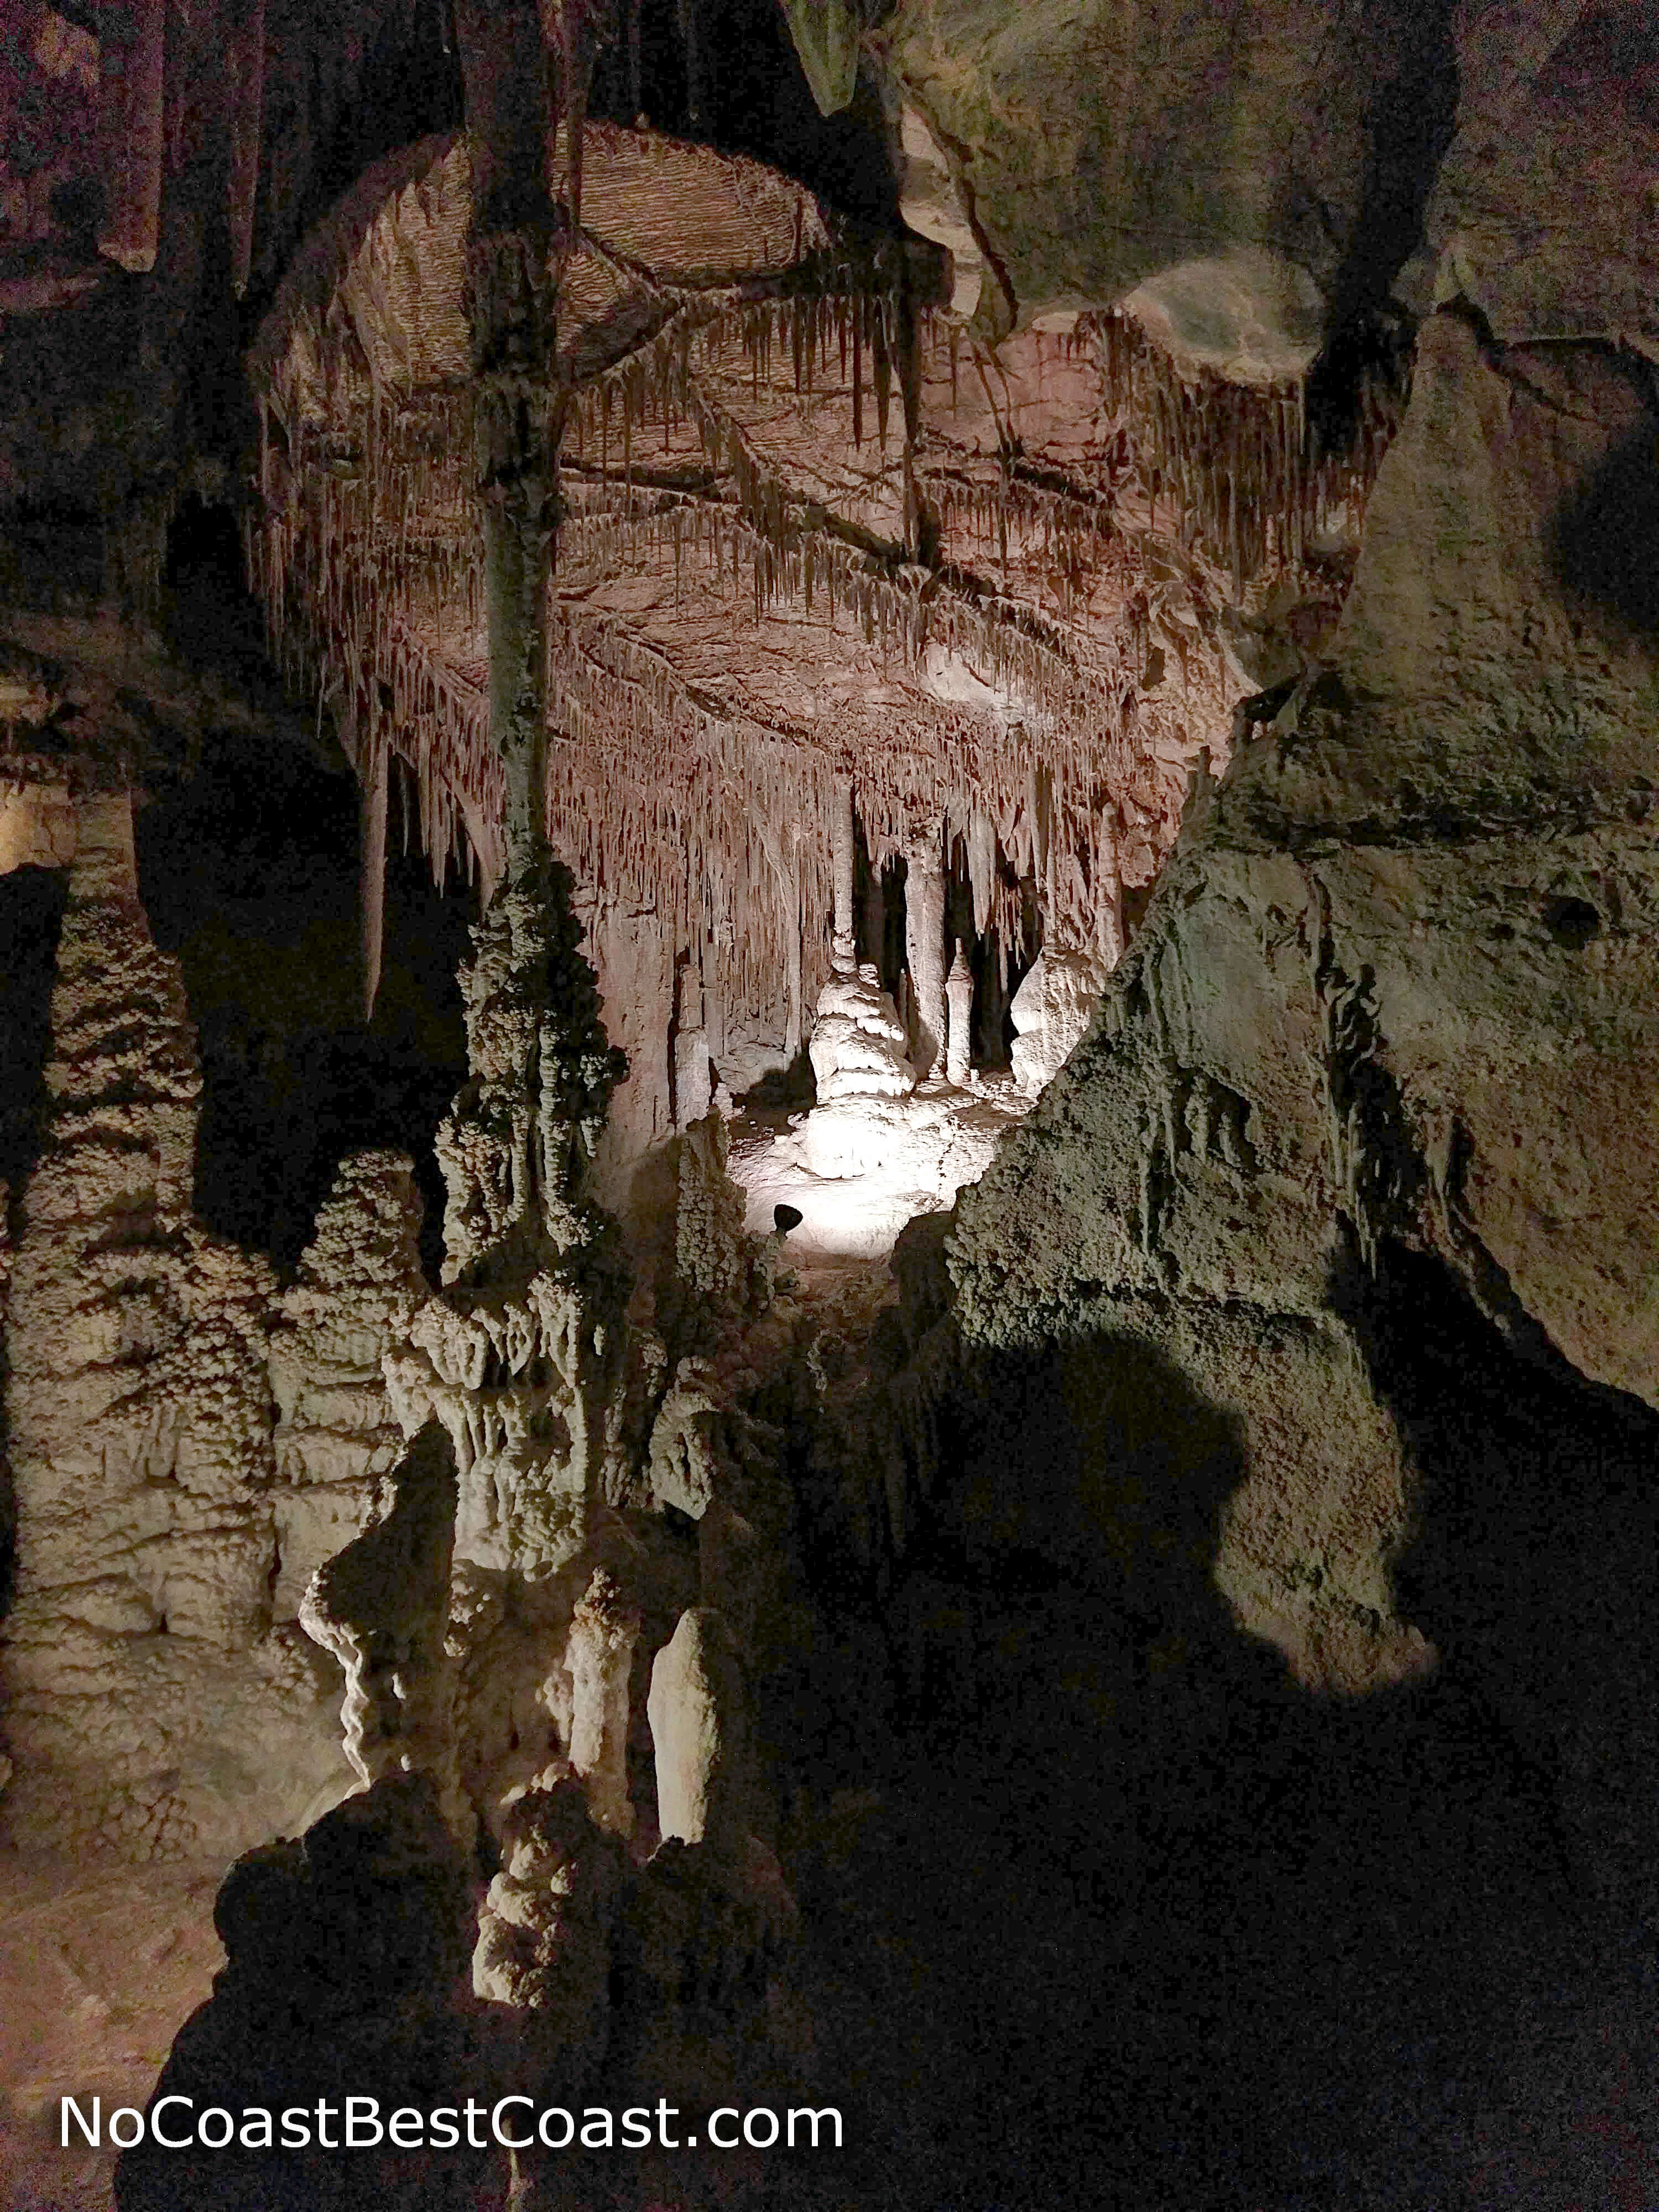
[[100, 1966]]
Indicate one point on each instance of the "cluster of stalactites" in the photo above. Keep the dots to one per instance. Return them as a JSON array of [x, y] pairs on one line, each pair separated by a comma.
[[350, 552], [1234, 461]]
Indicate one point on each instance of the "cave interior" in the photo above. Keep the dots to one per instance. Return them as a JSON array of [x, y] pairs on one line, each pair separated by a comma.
[[824, 1203]]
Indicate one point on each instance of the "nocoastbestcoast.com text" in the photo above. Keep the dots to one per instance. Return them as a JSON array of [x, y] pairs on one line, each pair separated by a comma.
[[175, 2122]]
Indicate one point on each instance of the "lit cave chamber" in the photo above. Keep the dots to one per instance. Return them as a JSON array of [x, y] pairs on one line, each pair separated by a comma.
[[828, 1253]]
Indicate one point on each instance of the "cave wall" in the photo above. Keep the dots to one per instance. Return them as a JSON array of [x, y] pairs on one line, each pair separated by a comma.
[[1392, 997]]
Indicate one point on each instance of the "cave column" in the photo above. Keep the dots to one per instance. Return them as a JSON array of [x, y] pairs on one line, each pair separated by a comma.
[[959, 997], [923, 946], [371, 890], [1109, 918], [795, 1029], [516, 423], [131, 72], [844, 951]]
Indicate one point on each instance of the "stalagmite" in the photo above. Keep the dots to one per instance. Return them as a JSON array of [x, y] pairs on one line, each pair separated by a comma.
[[959, 995], [923, 946], [544, 1931], [698, 1713], [604, 1629]]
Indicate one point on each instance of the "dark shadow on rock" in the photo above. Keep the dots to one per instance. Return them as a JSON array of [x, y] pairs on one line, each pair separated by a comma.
[[1535, 1567], [31, 917], [1125, 1903], [249, 875], [1604, 542], [1096, 1463], [345, 1953]]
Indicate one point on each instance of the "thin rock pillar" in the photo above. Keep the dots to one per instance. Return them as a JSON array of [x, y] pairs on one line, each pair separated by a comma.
[[518, 421], [599, 1657], [923, 946], [959, 997], [844, 951], [371, 898]]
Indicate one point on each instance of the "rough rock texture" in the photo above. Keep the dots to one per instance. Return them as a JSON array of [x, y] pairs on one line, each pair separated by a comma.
[[706, 1930], [599, 1655], [1051, 1010], [381, 1606], [1557, 145], [1379, 1060], [546, 1928], [358, 1285], [520, 1355], [147, 1705], [1093, 151], [720, 1269]]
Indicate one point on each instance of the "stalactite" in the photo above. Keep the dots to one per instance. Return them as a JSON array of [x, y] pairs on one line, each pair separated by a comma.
[[369, 563]]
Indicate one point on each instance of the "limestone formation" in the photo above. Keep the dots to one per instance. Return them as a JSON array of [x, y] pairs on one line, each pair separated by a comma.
[[1051, 1010], [1059, 168], [858, 1045], [1046, 1324], [698, 1721], [520, 1356], [345, 1953], [358, 1285], [381, 1605], [140, 1675], [888, 587], [720, 1269], [598, 1658], [547, 1928]]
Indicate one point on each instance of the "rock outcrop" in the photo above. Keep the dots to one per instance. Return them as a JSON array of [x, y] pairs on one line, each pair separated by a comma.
[[1376, 1063], [1062, 131], [149, 1708]]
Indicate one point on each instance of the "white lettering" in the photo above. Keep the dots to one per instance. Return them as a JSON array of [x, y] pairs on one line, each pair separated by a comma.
[[721, 2141], [557, 2111], [806, 2112], [214, 2112], [636, 2127], [509, 2142], [362, 2112], [137, 2133], [255, 2117], [92, 2134], [168, 2143], [755, 2141]]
